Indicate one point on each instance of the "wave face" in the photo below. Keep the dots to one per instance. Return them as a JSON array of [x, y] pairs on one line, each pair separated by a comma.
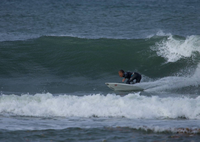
[[53, 62], [129, 106]]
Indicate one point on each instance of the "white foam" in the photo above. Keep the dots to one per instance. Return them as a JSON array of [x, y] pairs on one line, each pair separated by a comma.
[[158, 129], [172, 82], [159, 33], [173, 49], [111, 105]]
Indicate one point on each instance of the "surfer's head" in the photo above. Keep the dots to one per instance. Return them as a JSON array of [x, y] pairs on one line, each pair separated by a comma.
[[121, 73]]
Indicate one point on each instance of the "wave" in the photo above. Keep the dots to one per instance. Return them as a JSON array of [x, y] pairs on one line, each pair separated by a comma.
[[60, 62], [18, 36], [160, 129], [174, 48], [5, 37], [131, 106], [67, 55]]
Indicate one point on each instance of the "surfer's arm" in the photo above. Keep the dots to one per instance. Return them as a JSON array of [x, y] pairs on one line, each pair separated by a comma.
[[123, 79]]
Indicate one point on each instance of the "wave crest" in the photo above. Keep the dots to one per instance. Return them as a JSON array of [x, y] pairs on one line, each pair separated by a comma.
[[130, 106], [174, 48]]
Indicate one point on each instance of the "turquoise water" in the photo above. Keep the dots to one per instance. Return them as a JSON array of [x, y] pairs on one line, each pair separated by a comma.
[[57, 56]]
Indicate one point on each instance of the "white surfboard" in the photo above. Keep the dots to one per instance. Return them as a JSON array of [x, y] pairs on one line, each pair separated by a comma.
[[123, 87]]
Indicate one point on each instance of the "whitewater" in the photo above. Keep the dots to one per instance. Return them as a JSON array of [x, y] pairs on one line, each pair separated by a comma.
[[133, 106], [55, 57]]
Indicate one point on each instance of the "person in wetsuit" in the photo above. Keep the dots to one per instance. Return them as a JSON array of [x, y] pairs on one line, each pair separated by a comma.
[[131, 76]]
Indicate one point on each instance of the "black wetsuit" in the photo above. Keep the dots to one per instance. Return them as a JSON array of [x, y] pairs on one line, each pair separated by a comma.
[[132, 76]]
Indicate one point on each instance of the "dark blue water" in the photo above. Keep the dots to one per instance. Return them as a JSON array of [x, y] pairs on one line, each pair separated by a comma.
[[55, 57], [98, 19]]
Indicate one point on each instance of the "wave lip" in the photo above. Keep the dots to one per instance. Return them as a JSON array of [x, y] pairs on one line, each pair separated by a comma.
[[174, 48], [132, 106]]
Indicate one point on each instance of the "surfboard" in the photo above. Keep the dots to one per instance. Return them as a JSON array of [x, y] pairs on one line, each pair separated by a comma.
[[124, 87]]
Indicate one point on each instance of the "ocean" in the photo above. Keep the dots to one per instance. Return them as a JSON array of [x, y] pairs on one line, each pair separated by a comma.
[[55, 57]]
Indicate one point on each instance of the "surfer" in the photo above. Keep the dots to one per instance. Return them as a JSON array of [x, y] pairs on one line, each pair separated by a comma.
[[131, 76]]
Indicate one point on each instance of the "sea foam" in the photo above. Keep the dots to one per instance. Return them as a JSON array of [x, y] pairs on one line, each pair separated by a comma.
[[173, 49], [132, 106]]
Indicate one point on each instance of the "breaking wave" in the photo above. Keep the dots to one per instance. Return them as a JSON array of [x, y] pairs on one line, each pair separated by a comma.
[[96, 105]]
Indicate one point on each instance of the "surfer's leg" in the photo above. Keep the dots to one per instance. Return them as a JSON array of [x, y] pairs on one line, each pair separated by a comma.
[[128, 81], [133, 77], [139, 77]]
